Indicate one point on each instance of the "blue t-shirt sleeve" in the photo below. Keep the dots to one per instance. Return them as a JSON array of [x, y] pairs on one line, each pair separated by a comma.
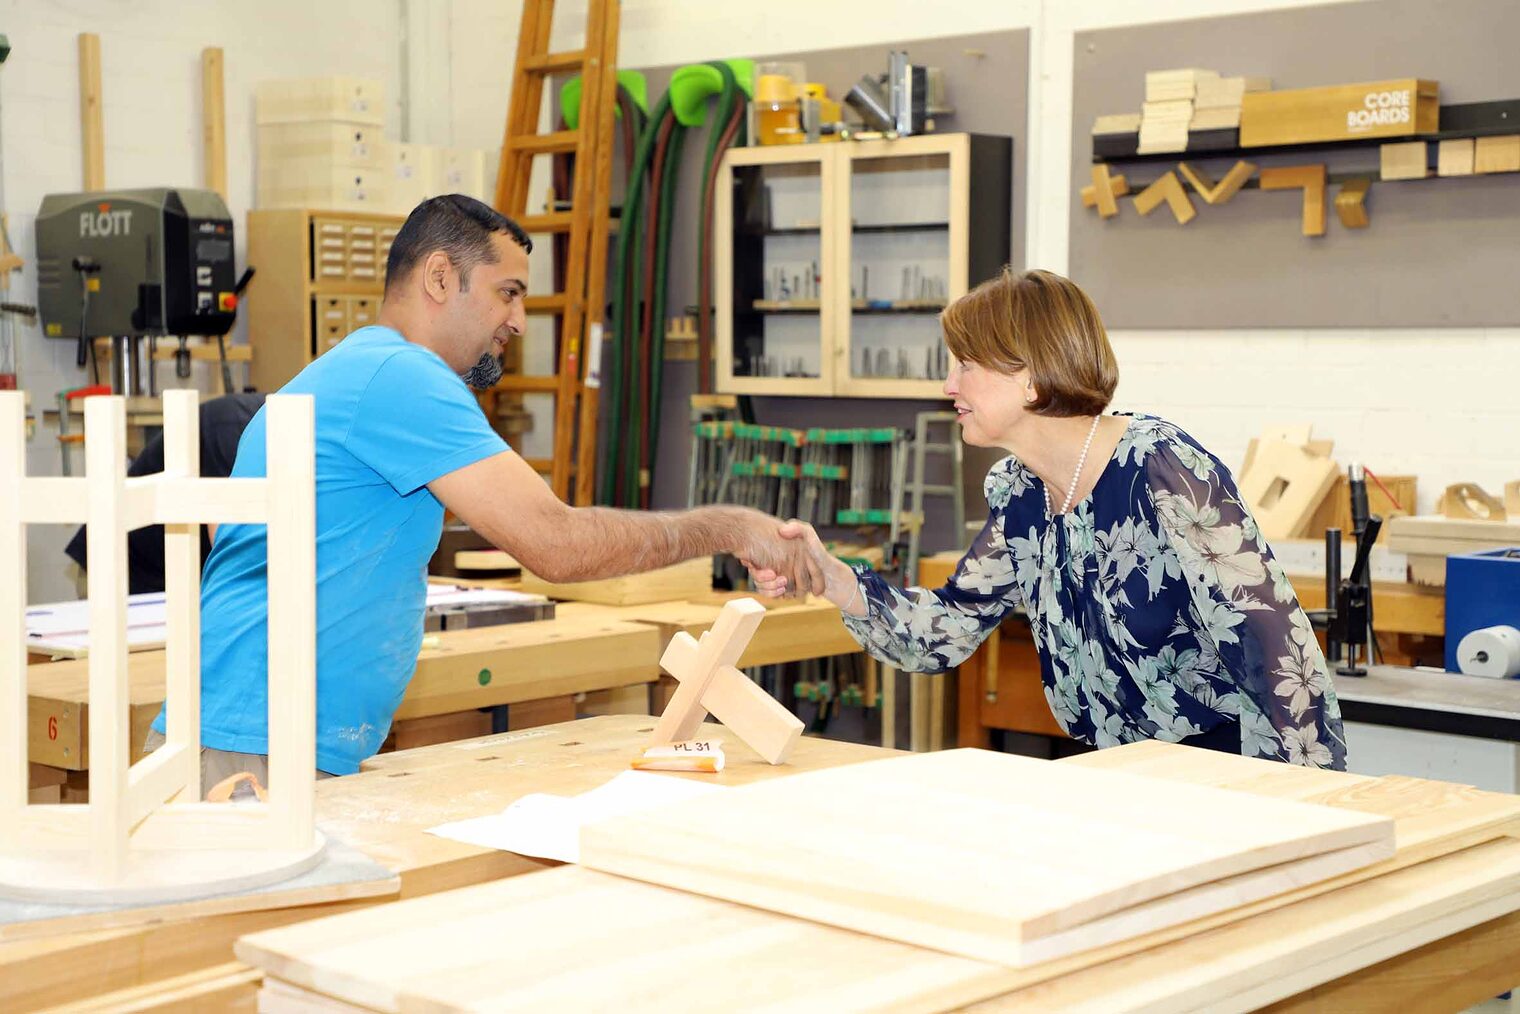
[[417, 421]]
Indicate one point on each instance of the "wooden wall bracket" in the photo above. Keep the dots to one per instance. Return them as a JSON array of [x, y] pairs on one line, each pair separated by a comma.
[[1351, 203], [1169, 189], [1311, 180], [1221, 192]]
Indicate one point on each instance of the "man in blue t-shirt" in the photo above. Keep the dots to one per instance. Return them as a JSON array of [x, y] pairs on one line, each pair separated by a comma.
[[399, 438]]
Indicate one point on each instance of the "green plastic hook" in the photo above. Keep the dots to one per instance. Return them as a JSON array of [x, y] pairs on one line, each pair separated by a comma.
[[691, 86], [631, 81]]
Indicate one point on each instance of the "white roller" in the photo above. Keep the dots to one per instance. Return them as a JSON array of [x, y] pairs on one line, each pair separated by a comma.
[[1490, 651]]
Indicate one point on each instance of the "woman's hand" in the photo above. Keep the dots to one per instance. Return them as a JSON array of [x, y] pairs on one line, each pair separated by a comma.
[[838, 582]]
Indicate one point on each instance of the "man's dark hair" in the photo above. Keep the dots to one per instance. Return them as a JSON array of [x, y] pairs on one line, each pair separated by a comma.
[[460, 226]]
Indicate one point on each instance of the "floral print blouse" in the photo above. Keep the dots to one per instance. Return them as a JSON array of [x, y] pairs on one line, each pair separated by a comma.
[[1157, 609]]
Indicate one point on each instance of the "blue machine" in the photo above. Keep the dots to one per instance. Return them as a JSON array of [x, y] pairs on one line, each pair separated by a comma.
[[1482, 590]]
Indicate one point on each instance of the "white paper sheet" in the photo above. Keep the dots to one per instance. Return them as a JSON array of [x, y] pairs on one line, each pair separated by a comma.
[[63, 628], [549, 827]]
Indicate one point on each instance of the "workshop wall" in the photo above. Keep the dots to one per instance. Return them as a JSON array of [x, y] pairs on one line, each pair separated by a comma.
[[151, 77], [1428, 401]]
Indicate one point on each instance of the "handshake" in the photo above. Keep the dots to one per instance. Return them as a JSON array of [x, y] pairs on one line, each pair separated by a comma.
[[787, 558]]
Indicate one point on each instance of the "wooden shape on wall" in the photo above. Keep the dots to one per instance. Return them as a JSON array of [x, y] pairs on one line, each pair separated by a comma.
[[1221, 192], [1512, 499], [1454, 157], [1103, 190], [1169, 189], [1405, 160], [1034, 875], [145, 837], [1311, 180], [1351, 203], [1468, 501], [1497, 154], [710, 683]]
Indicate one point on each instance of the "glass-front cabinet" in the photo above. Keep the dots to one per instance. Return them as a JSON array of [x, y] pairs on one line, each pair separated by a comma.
[[834, 261]]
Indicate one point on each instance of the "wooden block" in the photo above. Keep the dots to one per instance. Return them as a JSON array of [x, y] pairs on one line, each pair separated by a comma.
[[485, 559], [312, 100], [1010, 898], [1407, 160], [1104, 190], [1117, 123], [693, 577], [1396, 108], [1468, 500], [1221, 192], [1284, 487], [1118, 186], [1310, 179], [415, 732], [1497, 154], [1169, 189], [1351, 203], [1512, 498], [1454, 157]]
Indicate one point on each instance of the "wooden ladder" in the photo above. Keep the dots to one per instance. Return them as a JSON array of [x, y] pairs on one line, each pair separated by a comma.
[[571, 465]]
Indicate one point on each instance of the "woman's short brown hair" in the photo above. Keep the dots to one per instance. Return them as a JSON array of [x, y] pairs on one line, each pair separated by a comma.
[[1040, 321]]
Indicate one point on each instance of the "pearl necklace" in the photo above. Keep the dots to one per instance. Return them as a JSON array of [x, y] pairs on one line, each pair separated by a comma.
[[1071, 490]]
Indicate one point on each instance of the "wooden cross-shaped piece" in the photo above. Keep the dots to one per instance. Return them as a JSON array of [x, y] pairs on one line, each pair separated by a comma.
[[709, 682]]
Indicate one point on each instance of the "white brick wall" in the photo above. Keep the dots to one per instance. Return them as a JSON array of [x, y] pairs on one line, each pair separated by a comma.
[[150, 69]]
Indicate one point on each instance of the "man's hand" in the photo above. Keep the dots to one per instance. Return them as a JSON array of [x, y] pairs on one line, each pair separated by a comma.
[[829, 576], [766, 547]]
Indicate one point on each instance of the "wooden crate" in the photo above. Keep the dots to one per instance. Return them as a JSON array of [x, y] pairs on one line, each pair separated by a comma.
[[459, 171], [1335, 509], [305, 100], [694, 577], [1398, 108], [356, 145], [317, 183]]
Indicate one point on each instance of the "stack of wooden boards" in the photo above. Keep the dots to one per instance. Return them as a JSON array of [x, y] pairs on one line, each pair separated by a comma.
[[322, 144], [924, 848], [1185, 109]]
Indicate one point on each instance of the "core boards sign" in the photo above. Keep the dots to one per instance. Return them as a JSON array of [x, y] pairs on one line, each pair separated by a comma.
[[1374, 109]]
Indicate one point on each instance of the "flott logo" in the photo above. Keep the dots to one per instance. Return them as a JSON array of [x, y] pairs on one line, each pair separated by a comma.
[[1379, 109], [105, 222]]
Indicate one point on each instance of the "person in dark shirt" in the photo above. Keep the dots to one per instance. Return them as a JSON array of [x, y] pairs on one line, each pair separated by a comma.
[[222, 423]]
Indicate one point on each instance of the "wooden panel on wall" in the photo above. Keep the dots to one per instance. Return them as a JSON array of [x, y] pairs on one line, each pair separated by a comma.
[[1437, 253]]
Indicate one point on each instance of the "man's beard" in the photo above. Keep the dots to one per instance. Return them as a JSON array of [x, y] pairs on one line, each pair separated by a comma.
[[484, 374]]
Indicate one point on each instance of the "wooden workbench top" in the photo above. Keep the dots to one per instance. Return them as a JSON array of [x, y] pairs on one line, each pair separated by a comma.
[[471, 668], [385, 812]]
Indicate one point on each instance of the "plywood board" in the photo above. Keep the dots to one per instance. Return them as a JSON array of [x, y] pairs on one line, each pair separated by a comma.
[[571, 938], [1008, 857], [693, 577]]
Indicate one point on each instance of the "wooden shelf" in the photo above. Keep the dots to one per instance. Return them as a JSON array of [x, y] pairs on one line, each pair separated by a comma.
[[1456, 112]]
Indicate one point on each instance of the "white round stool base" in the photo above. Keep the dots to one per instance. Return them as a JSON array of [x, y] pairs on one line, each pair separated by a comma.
[[162, 876]]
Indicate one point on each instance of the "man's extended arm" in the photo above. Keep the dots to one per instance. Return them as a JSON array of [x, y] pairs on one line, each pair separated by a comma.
[[503, 499]]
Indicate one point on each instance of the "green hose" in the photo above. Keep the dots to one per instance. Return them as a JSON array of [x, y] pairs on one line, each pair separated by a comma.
[[626, 266], [635, 413]]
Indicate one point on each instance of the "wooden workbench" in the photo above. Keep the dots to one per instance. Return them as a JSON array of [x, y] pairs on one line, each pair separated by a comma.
[[466, 669], [1436, 927], [384, 812]]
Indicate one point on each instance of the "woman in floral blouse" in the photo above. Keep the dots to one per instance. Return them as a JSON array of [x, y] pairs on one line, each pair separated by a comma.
[[1156, 606]]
